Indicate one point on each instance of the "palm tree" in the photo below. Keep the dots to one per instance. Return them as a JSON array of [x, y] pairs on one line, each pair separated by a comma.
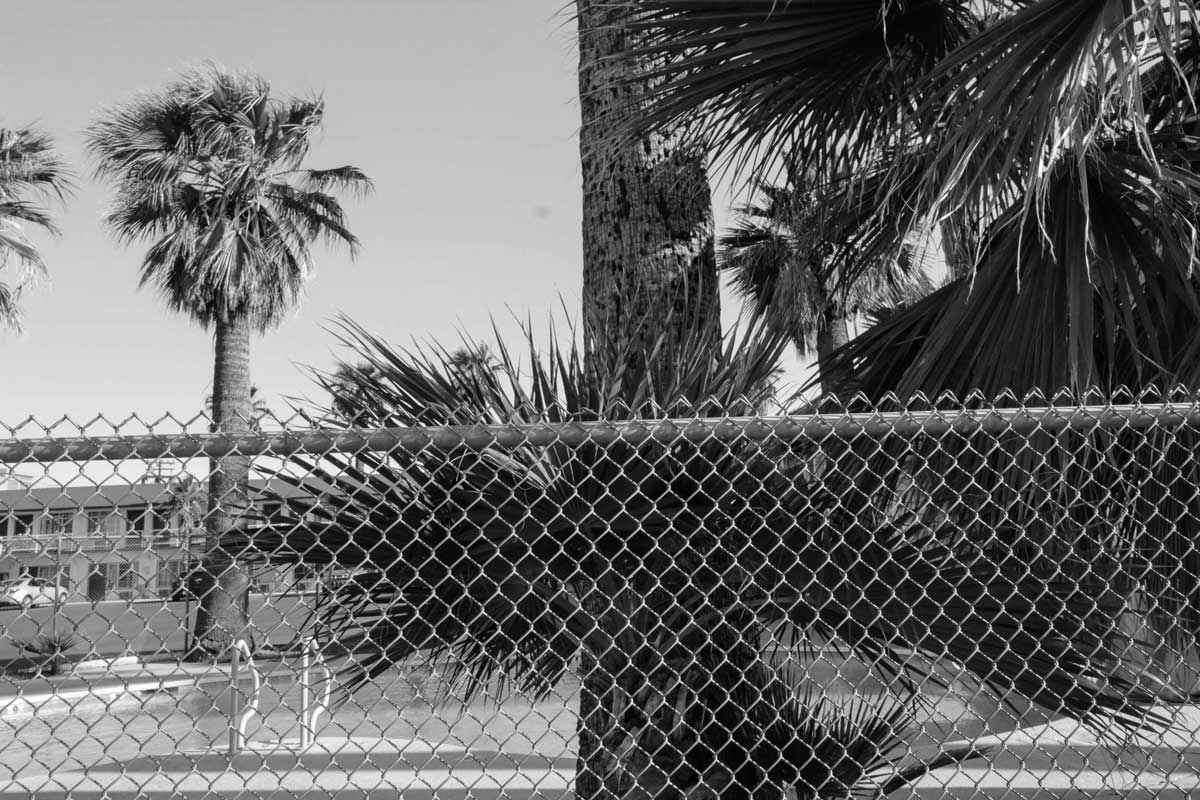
[[1056, 141], [473, 360], [259, 410], [210, 171], [648, 253], [29, 165], [674, 569], [782, 265], [347, 386]]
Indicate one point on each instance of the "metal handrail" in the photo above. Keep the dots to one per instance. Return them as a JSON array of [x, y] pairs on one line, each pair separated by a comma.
[[309, 712], [237, 726]]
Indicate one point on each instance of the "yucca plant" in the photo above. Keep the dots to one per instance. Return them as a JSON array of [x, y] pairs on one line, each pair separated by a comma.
[[635, 557], [49, 651]]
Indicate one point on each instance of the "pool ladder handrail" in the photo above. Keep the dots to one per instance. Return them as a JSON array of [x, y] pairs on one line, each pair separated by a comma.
[[308, 711], [237, 725]]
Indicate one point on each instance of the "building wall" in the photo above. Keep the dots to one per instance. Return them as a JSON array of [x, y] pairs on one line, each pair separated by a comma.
[[106, 544]]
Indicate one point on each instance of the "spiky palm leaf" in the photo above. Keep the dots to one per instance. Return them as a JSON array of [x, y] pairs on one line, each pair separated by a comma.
[[748, 730], [566, 493], [491, 559]]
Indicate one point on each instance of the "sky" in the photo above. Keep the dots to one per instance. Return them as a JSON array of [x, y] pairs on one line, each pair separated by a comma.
[[464, 114]]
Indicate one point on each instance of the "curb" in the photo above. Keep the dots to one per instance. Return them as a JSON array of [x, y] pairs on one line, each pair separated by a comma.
[[97, 664], [101, 698]]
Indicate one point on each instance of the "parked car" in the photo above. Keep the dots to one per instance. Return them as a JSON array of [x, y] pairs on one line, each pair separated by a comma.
[[28, 592]]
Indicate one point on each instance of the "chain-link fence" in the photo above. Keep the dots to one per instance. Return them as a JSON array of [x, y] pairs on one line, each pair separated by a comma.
[[952, 599]]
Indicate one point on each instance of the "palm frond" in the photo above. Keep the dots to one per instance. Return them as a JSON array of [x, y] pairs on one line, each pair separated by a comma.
[[29, 166], [348, 179], [10, 309], [1107, 301], [484, 559], [795, 258], [29, 162], [216, 159], [1066, 72], [824, 79]]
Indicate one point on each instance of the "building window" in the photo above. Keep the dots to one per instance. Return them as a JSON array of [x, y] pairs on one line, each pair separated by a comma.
[[22, 524], [135, 520], [160, 521], [57, 523], [122, 577], [105, 522], [126, 578]]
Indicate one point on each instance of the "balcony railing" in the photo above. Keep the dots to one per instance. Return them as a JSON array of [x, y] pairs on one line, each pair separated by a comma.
[[93, 542], [38, 544]]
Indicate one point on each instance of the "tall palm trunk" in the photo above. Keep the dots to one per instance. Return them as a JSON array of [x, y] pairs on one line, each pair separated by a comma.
[[649, 277], [832, 333], [222, 616], [649, 267]]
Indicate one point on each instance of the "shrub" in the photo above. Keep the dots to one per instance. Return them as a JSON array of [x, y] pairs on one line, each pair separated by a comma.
[[49, 650]]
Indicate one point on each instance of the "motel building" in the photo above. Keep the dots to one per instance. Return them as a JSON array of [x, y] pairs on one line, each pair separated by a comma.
[[128, 541]]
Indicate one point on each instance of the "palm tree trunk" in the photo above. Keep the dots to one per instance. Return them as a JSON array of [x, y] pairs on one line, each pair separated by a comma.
[[649, 265], [222, 616], [649, 276], [832, 333]]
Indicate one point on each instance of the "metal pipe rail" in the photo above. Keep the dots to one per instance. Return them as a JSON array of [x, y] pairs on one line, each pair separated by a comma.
[[309, 712], [311, 658], [237, 724], [814, 427]]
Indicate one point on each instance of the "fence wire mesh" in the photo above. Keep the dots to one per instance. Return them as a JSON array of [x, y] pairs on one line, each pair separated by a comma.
[[950, 599]]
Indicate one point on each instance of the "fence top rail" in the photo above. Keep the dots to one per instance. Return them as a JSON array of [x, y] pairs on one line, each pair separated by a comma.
[[811, 427]]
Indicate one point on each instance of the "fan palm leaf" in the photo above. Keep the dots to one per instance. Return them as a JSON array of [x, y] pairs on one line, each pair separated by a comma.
[[843, 82], [29, 165]]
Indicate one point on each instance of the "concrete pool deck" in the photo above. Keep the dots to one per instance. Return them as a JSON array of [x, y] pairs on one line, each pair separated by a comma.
[[102, 687], [1052, 760], [1055, 760]]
